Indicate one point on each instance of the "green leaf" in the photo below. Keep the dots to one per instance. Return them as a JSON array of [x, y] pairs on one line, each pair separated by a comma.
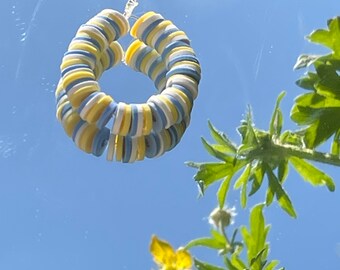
[[335, 149], [271, 265], [210, 172], [311, 174], [257, 260], [222, 149], [237, 262], [222, 139], [257, 177], [206, 242], [283, 170], [308, 82], [329, 82], [231, 266], [215, 153], [289, 137], [242, 181], [276, 122], [250, 138], [317, 101], [244, 195], [255, 238], [223, 190], [281, 195], [218, 237], [305, 60], [321, 130], [258, 228], [243, 177], [323, 123], [270, 193], [205, 266], [247, 238], [329, 38]]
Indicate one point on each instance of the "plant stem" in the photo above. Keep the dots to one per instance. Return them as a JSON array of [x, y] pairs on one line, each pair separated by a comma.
[[290, 150], [222, 229]]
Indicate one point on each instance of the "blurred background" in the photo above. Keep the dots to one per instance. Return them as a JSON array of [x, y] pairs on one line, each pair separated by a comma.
[[63, 209]]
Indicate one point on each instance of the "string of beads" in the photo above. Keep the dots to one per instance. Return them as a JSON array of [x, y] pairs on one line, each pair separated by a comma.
[[160, 51]]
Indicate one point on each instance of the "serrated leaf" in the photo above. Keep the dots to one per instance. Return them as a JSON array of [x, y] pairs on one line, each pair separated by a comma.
[[206, 242], [222, 139], [209, 172], [311, 174], [205, 266], [281, 195], [329, 38]]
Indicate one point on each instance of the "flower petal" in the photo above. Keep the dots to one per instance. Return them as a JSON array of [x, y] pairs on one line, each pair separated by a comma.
[[184, 261], [162, 252]]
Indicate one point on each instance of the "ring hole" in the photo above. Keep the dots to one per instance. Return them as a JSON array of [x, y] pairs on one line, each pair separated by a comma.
[[120, 82]]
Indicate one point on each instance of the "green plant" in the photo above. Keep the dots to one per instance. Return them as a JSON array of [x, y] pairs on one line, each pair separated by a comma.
[[268, 154]]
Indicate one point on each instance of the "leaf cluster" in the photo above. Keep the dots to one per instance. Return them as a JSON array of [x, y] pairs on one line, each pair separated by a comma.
[[318, 110], [255, 241], [261, 154]]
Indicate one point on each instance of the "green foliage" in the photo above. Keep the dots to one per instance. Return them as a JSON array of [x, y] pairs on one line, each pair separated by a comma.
[[255, 241], [254, 238], [216, 241], [264, 154], [312, 174], [268, 154], [318, 110]]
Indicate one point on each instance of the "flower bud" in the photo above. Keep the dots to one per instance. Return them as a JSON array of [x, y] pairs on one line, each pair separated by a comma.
[[222, 217]]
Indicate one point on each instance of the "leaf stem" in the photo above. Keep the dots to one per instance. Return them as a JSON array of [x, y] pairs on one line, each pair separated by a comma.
[[309, 154], [274, 148], [222, 229]]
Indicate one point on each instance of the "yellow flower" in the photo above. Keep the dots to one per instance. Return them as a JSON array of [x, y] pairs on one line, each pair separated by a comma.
[[167, 258]]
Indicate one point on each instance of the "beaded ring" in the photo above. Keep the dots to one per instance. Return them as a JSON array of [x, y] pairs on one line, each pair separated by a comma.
[[162, 52]]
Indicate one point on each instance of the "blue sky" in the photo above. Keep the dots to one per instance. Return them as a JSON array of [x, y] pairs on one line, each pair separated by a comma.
[[63, 209]]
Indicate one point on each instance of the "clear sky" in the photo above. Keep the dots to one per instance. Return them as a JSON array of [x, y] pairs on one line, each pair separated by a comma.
[[63, 209]]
